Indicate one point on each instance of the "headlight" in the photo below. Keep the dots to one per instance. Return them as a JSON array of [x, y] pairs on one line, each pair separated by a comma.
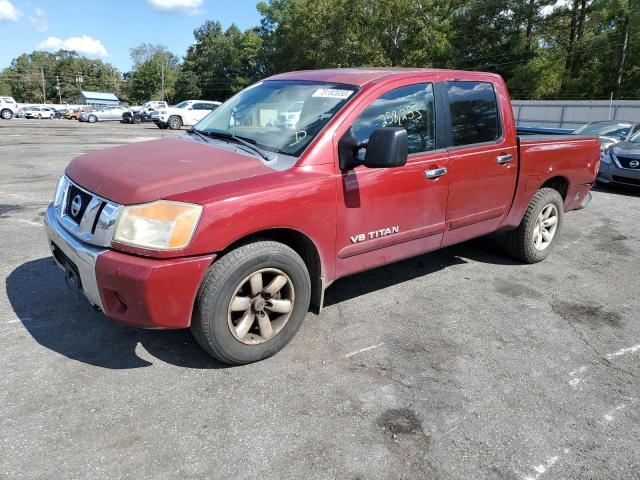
[[161, 225], [60, 189], [605, 157]]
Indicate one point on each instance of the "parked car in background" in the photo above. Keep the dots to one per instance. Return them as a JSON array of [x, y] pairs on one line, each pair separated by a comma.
[[185, 113], [40, 113], [237, 228], [609, 131], [620, 162], [59, 112], [104, 114], [143, 113], [73, 114], [21, 111], [8, 107]]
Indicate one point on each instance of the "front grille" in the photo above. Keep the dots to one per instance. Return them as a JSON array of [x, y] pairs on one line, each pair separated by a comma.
[[628, 181], [77, 203], [626, 161]]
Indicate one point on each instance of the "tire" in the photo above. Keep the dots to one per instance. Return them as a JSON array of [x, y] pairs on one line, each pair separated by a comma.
[[6, 114], [92, 119], [39, 117], [174, 122], [213, 316], [523, 240]]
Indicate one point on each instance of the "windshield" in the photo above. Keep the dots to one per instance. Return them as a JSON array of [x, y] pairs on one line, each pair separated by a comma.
[[282, 116], [607, 129]]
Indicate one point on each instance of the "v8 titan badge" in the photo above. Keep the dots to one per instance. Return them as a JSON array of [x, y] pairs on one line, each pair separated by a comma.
[[383, 232]]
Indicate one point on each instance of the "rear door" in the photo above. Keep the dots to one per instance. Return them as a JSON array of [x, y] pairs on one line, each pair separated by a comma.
[[388, 214], [482, 160]]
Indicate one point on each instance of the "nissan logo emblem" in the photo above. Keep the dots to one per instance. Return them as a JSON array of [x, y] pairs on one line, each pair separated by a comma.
[[634, 164], [76, 205]]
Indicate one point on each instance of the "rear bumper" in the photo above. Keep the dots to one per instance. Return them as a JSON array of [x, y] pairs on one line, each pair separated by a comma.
[[136, 291]]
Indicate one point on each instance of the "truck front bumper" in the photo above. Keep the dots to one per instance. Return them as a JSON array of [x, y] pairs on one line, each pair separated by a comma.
[[136, 291]]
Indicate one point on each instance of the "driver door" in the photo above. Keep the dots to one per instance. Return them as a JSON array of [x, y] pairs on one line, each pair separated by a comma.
[[388, 214]]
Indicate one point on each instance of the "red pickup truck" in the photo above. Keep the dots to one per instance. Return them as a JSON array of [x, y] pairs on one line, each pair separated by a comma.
[[237, 228]]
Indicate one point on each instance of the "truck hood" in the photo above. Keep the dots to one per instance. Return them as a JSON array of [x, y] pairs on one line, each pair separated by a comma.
[[148, 171]]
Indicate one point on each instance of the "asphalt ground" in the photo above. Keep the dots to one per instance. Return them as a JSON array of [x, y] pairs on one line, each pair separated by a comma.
[[454, 365]]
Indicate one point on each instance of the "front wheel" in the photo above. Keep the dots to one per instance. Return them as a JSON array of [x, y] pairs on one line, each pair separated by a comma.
[[251, 302], [39, 117], [174, 122], [92, 119], [537, 234], [6, 114]]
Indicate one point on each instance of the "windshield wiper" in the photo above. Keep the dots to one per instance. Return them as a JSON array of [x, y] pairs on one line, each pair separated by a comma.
[[250, 144], [199, 134]]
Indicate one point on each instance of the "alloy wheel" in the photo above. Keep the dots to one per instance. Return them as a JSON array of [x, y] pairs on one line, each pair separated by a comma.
[[546, 226], [261, 306]]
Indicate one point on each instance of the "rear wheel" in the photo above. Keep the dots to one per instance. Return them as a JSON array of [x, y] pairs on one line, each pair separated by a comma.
[[251, 302], [537, 234], [174, 122], [6, 114]]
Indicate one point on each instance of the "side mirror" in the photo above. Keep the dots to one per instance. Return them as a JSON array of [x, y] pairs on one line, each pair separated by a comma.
[[387, 148]]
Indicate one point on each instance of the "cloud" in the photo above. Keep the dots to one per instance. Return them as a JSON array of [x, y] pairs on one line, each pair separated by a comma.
[[8, 12], [84, 45], [39, 21], [192, 7]]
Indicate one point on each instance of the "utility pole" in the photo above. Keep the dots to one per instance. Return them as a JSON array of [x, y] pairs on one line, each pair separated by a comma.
[[44, 92], [162, 81], [58, 88]]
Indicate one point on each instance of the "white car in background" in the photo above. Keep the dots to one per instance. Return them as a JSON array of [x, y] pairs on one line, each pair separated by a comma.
[[8, 107], [40, 113], [186, 113]]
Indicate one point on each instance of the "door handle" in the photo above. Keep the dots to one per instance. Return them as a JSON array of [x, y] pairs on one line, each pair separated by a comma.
[[435, 173], [501, 159]]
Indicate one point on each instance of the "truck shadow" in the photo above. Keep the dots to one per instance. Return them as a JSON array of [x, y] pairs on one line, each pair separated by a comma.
[[488, 249], [65, 323], [628, 191]]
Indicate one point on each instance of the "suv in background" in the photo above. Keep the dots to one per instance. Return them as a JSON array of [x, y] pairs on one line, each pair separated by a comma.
[[188, 113], [8, 107]]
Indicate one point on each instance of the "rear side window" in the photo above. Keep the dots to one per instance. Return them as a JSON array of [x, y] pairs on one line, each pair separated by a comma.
[[411, 107], [474, 113]]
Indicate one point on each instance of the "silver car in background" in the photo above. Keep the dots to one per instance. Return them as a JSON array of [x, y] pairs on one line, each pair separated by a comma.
[[104, 114]]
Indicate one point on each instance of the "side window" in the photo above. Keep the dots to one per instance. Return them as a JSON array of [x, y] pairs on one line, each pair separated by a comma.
[[411, 107], [474, 113]]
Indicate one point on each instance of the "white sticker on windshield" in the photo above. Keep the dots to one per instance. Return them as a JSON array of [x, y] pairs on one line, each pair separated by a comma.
[[331, 93]]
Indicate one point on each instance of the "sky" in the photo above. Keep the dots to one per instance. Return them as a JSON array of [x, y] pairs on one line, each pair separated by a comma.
[[107, 29]]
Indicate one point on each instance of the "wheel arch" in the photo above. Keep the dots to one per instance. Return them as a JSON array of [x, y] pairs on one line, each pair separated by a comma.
[[303, 245], [559, 183]]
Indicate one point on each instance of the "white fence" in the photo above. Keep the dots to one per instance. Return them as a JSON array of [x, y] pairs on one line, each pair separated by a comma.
[[573, 113]]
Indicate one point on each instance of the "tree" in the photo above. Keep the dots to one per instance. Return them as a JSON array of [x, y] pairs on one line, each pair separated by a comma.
[[154, 73], [44, 77]]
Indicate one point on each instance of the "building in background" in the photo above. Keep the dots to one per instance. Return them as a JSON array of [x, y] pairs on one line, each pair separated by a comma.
[[97, 98]]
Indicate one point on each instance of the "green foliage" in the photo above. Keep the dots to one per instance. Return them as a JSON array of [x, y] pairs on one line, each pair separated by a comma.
[[543, 48], [154, 73], [28, 72]]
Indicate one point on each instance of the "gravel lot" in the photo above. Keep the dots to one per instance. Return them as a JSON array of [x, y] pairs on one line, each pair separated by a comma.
[[458, 364]]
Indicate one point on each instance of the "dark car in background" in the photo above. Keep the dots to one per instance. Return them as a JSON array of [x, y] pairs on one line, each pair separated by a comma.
[[620, 162]]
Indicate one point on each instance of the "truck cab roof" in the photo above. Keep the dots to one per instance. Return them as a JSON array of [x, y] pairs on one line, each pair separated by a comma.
[[365, 76]]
